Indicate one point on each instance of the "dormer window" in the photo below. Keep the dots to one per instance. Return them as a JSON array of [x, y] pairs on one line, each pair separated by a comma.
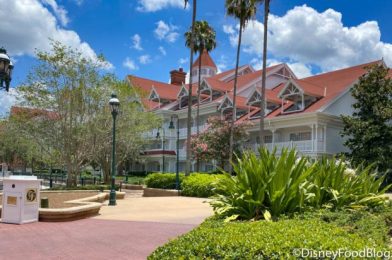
[[182, 97], [255, 100], [205, 92], [154, 95], [301, 95]]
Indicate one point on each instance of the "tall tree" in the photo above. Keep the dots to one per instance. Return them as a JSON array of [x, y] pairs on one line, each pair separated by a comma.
[[263, 79], [204, 40], [189, 119], [69, 95], [369, 130], [132, 123], [244, 10]]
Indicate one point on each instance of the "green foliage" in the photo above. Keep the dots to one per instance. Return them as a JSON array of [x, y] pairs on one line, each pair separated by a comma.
[[268, 186], [215, 239], [244, 10], [213, 143], [265, 183], [200, 185], [337, 186], [204, 37], [368, 130], [162, 180]]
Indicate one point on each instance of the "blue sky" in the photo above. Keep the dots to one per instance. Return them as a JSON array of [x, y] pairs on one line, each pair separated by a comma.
[[145, 37]]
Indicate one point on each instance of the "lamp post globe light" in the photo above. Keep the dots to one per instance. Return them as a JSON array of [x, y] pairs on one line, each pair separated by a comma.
[[6, 68], [114, 106], [172, 127]]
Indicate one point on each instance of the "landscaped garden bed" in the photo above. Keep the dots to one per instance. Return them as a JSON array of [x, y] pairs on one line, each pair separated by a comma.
[[289, 207]]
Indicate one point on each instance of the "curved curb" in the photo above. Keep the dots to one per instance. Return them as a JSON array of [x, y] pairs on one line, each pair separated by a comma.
[[84, 208]]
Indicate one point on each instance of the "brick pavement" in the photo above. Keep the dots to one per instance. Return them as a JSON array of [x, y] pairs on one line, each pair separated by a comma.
[[131, 230]]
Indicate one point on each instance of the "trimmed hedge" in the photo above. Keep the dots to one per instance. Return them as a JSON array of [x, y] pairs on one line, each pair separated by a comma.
[[200, 185], [162, 180], [215, 239]]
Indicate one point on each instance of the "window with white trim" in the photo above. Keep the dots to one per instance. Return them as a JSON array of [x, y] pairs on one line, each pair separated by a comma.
[[300, 136]]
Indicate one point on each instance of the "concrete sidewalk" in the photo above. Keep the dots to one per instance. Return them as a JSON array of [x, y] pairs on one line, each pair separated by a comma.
[[177, 210], [131, 230]]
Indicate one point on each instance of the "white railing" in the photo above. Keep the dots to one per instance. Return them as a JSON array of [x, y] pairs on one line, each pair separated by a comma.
[[184, 131], [173, 133], [307, 146]]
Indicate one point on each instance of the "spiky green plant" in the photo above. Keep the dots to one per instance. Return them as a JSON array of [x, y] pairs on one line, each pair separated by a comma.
[[335, 185], [264, 186]]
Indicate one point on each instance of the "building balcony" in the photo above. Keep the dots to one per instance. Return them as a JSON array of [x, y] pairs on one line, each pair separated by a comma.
[[304, 147], [173, 133]]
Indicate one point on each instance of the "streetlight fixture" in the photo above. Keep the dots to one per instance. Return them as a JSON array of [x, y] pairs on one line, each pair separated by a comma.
[[6, 68], [163, 147], [114, 106], [172, 127]]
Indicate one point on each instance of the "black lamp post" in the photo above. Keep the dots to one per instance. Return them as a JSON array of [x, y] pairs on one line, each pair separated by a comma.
[[172, 127], [6, 68], [163, 147], [115, 106]]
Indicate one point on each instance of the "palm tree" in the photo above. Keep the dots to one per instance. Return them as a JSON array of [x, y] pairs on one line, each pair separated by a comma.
[[244, 10], [204, 40], [262, 105], [189, 123]]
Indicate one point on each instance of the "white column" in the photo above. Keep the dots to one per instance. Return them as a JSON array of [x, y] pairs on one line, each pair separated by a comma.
[[325, 139], [312, 137], [316, 138]]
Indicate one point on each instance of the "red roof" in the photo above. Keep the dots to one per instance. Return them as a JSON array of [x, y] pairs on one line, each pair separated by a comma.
[[164, 90], [33, 112], [206, 61]]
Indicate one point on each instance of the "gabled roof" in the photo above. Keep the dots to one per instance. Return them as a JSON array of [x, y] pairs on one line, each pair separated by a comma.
[[164, 90], [206, 61], [335, 83]]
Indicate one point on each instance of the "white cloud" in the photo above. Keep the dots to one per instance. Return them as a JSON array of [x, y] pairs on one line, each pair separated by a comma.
[[137, 42], [183, 61], [59, 11], [228, 29], [166, 32], [130, 64], [162, 50], [300, 70], [309, 37], [156, 5], [8, 99], [222, 63], [145, 59], [31, 25]]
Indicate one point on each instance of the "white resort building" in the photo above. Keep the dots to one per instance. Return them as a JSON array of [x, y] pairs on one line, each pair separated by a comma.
[[301, 113]]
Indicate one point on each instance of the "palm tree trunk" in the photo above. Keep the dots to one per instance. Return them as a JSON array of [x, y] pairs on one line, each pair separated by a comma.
[[263, 80], [198, 106], [235, 98], [189, 125]]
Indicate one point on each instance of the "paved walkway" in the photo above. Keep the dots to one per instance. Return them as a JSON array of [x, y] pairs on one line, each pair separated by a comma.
[[130, 230]]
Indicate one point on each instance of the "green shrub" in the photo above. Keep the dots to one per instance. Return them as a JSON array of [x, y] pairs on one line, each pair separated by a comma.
[[337, 186], [200, 185], [269, 185], [264, 186], [215, 239], [162, 180]]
